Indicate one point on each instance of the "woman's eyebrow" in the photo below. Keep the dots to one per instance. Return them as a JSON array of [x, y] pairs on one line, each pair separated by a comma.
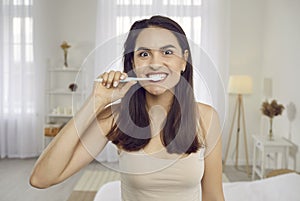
[[167, 47], [142, 48], [162, 48]]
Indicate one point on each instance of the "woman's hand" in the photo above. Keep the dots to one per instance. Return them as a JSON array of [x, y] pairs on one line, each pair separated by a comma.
[[110, 89], [83, 137]]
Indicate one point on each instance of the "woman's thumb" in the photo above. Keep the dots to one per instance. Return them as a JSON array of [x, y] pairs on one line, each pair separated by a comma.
[[127, 86]]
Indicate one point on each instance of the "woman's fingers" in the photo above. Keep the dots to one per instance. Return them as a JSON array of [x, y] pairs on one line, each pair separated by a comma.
[[104, 77], [115, 83], [112, 78]]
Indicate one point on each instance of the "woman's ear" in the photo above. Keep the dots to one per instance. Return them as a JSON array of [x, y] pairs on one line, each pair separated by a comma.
[[186, 55]]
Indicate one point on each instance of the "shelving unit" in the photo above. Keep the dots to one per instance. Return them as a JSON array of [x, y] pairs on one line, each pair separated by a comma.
[[61, 101]]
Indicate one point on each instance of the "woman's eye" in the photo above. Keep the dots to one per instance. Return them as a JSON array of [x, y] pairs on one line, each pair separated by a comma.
[[167, 52], [144, 54]]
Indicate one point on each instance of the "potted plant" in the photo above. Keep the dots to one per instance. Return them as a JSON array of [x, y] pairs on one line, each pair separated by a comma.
[[271, 109]]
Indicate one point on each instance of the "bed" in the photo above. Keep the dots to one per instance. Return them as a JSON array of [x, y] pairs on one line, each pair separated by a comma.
[[284, 187]]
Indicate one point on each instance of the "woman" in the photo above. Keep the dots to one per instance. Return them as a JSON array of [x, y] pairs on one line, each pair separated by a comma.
[[169, 145]]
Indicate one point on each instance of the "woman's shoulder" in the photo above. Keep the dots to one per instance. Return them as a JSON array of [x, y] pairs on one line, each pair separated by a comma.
[[206, 111], [210, 125], [204, 107], [208, 116]]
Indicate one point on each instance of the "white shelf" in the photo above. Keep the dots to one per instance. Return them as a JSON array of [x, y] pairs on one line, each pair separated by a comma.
[[64, 92], [61, 102], [60, 115], [64, 70], [50, 125]]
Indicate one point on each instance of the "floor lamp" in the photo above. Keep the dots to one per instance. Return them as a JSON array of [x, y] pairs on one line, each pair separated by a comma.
[[239, 85]]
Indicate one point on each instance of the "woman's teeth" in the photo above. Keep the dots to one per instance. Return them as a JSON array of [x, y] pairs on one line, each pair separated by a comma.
[[157, 77]]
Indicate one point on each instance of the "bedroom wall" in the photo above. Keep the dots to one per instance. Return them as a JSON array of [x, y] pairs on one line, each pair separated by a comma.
[[56, 21], [245, 59], [281, 63], [265, 43], [73, 21]]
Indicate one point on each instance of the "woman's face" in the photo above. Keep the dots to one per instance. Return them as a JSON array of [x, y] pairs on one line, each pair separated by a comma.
[[157, 53]]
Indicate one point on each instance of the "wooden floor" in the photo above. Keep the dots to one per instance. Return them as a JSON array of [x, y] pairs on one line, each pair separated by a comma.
[[14, 185], [237, 174]]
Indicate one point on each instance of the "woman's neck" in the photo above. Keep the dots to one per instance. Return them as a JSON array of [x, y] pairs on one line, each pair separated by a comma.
[[164, 100], [158, 108]]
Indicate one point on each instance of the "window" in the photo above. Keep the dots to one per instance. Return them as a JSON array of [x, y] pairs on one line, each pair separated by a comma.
[[186, 12], [183, 2], [17, 53], [22, 32], [134, 2]]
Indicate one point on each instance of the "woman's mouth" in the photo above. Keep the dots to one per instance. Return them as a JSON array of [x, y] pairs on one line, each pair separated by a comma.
[[157, 77]]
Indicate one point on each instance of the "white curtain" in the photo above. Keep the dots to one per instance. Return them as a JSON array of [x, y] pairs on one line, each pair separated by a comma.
[[205, 24], [19, 136]]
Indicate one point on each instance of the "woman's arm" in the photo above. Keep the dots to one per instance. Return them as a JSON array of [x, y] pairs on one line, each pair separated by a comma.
[[82, 138], [212, 188], [70, 150]]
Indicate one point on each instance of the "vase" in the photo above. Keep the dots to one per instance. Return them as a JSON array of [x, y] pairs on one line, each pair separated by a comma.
[[65, 59], [271, 136]]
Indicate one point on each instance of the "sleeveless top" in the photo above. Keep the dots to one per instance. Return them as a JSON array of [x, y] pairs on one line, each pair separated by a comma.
[[161, 176]]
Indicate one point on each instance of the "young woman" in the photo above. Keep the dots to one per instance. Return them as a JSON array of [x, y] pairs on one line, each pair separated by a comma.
[[169, 145]]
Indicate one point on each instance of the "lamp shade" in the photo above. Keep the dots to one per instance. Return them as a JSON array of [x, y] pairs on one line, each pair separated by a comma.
[[240, 84]]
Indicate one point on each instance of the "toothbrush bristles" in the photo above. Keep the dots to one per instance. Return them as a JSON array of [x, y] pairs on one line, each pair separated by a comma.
[[156, 78]]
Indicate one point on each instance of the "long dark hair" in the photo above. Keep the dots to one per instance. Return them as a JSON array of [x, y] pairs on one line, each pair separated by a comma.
[[131, 131]]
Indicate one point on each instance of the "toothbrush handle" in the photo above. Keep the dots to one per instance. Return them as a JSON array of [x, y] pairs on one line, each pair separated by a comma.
[[128, 79], [100, 80]]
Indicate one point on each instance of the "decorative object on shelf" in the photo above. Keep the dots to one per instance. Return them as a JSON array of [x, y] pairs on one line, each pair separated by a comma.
[[61, 111], [51, 130], [65, 46], [239, 85], [271, 109], [73, 87], [291, 111]]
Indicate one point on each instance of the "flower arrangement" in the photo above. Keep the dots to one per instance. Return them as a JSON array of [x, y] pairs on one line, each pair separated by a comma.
[[271, 109], [65, 46]]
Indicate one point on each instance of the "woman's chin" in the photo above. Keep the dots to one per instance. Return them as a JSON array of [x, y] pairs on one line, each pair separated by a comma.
[[156, 90]]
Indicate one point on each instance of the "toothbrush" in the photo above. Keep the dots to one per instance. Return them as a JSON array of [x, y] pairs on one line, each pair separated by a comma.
[[128, 79]]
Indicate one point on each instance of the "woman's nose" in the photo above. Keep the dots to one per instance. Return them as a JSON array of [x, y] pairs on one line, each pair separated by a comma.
[[156, 60]]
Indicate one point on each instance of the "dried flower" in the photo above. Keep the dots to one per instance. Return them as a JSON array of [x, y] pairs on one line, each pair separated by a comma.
[[65, 46], [73, 87], [272, 109]]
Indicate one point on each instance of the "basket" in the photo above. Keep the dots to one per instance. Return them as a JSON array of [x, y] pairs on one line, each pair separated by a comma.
[[51, 131]]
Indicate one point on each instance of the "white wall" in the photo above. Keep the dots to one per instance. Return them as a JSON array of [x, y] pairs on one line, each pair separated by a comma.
[[265, 43], [45, 48], [245, 58], [73, 21], [57, 21], [281, 62]]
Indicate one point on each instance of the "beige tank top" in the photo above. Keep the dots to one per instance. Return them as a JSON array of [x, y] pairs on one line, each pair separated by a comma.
[[161, 176]]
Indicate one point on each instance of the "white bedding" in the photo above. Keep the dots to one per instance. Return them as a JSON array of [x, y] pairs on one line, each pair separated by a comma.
[[280, 188], [284, 187]]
